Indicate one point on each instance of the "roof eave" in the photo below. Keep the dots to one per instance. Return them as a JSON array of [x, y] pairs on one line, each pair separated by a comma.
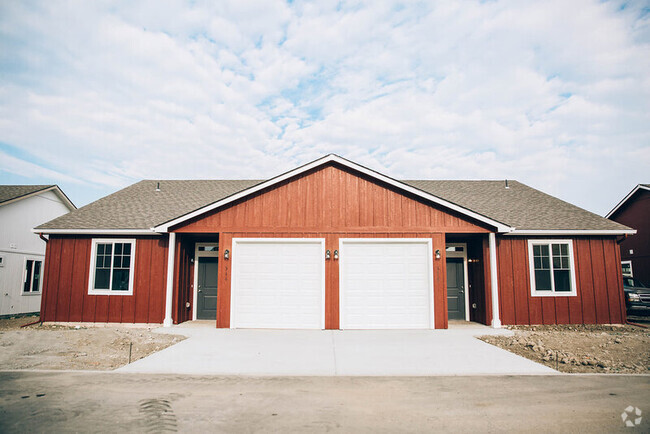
[[576, 232], [95, 231]]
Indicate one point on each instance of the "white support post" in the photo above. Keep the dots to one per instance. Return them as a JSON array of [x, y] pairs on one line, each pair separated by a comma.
[[171, 253], [494, 281]]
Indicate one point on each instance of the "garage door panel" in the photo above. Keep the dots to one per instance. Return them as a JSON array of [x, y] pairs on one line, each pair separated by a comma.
[[386, 284], [278, 283]]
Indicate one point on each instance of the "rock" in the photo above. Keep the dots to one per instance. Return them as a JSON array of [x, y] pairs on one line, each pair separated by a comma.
[[618, 340], [602, 365]]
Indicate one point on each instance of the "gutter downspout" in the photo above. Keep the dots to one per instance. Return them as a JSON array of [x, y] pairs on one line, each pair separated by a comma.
[[42, 237], [494, 281], [171, 253]]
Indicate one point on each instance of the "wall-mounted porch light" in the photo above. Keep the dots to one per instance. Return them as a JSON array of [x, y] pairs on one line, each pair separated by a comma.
[[437, 253], [327, 254], [226, 254], [336, 254]]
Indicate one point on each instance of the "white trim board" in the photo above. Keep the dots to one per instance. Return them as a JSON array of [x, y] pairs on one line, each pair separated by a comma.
[[331, 158], [96, 231], [576, 232]]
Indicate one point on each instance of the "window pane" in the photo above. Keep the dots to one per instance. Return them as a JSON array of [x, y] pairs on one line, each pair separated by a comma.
[[117, 261], [565, 262], [564, 249], [546, 263], [538, 262], [118, 248], [107, 262], [544, 249], [543, 280], [28, 275], [537, 250], [557, 262], [562, 281], [36, 281], [126, 261], [127, 249], [100, 249], [121, 280], [102, 278], [556, 249], [108, 249]]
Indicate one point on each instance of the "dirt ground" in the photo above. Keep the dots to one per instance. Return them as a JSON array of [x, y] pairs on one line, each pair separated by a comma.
[[61, 347], [600, 349]]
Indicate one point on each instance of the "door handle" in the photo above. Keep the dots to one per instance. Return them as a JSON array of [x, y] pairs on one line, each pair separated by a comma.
[[200, 290]]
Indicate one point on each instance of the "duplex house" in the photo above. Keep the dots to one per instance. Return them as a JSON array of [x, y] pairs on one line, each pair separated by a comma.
[[333, 245]]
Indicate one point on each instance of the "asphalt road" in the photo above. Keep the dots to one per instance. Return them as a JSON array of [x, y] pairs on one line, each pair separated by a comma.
[[110, 402]]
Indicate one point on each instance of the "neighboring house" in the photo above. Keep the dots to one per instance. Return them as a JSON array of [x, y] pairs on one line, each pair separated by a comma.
[[333, 245], [21, 251], [634, 211]]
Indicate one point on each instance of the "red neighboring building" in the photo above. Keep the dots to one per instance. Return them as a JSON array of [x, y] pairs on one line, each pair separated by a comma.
[[333, 245], [634, 211]]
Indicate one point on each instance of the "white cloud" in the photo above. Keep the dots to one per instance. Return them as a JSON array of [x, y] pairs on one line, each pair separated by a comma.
[[554, 94]]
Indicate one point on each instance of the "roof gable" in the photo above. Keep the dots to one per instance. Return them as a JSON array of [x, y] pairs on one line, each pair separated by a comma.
[[14, 193], [331, 198], [627, 198], [331, 158]]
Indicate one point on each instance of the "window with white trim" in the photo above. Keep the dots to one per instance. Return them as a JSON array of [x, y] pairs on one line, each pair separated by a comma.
[[32, 276], [552, 269], [111, 264]]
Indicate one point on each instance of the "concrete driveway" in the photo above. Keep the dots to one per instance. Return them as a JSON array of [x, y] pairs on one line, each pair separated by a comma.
[[334, 352]]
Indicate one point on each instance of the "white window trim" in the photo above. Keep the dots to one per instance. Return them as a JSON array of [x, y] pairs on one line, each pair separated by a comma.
[[41, 259], [531, 268], [93, 258], [631, 270]]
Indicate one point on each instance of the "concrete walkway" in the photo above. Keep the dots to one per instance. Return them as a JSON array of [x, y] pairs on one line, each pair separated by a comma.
[[456, 351]]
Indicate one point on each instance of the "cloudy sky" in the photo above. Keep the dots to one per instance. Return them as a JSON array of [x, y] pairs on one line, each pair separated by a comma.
[[97, 95]]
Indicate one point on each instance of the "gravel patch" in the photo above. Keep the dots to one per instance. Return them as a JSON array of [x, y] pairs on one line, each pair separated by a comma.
[[78, 347], [611, 349]]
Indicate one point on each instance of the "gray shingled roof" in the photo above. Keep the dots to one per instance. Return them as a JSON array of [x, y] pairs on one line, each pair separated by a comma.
[[10, 192], [140, 206], [519, 206]]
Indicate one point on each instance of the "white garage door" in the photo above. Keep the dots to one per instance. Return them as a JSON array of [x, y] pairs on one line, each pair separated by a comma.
[[386, 284], [278, 283]]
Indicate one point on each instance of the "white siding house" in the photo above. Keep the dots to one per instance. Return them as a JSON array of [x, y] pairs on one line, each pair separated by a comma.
[[22, 252]]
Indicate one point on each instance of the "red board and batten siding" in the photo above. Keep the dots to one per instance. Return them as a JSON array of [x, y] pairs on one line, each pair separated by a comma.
[[599, 281], [331, 203], [65, 287]]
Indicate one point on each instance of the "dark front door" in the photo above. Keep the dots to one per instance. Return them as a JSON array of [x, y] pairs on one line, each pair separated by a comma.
[[206, 307], [455, 288]]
